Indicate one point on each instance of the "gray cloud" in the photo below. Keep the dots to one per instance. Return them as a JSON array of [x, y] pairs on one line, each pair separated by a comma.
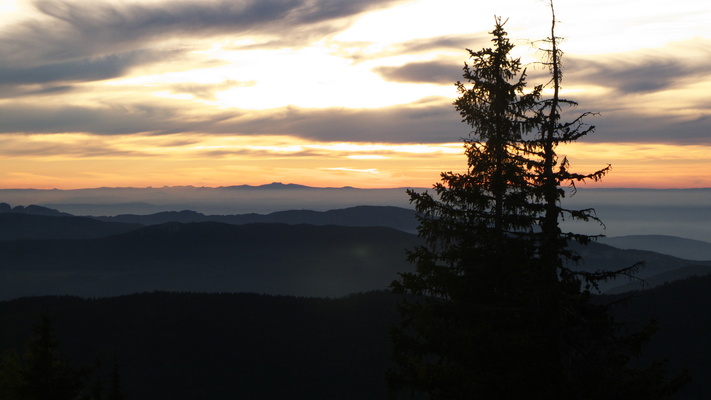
[[77, 40], [422, 72], [261, 153], [207, 91], [10, 91], [104, 120], [447, 43], [432, 121], [624, 126], [436, 121], [79, 70], [635, 74]]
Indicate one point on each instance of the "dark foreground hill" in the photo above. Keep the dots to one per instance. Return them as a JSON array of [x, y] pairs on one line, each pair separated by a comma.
[[303, 260], [229, 346], [221, 346], [683, 312]]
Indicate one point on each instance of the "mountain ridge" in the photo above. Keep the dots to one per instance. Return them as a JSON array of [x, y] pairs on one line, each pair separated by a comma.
[[59, 234], [304, 260], [691, 249]]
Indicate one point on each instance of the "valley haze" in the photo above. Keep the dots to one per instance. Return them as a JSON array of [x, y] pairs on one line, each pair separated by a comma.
[[624, 211], [226, 283]]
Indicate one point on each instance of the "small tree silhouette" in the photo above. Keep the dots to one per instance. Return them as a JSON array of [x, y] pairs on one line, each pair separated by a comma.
[[43, 374], [46, 375]]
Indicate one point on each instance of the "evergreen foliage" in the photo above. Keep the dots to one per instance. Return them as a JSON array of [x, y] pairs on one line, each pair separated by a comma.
[[46, 375], [274, 347], [115, 388], [493, 309], [43, 374], [11, 380]]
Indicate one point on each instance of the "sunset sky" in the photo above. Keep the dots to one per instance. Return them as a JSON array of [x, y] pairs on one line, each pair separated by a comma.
[[330, 92]]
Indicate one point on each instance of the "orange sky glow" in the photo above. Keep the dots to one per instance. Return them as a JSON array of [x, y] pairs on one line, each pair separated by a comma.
[[154, 93], [141, 162]]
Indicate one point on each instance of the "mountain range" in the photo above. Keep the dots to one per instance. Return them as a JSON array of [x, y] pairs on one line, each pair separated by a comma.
[[624, 211], [393, 217], [299, 252], [285, 304], [302, 260]]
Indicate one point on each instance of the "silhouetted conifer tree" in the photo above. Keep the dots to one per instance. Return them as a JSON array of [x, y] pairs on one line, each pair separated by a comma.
[[115, 388], [46, 375], [467, 320], [11, 379], [494, 309]]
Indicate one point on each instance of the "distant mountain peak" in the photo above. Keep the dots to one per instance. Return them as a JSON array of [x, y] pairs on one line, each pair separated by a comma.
[[32, 210], [273, 185], [279, 185]]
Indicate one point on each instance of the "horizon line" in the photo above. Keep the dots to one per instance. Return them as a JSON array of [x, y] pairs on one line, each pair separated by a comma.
[[297, 185]]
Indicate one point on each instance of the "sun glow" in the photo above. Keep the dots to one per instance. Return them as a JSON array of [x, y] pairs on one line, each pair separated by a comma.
[[81, 160], [193, 100]]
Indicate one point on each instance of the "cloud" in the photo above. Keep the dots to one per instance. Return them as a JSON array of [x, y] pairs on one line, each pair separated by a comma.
[[10, 91], [80, 70], [76, 28], [626, 126], [72, 42], [447, 44], [644, 71], [66, 146], [431, 121], [106, 119], [257, 153], [627, 75], [436, 72], [86, 41], [207, 91]]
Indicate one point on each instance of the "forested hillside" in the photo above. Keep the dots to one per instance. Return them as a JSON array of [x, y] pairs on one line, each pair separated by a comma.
[[226, 346], [302, 260]]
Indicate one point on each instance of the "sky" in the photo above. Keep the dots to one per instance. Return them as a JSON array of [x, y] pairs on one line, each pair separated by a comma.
[[331, 93]]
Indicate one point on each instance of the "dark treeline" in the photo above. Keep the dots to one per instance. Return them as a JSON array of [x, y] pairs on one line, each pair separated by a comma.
[[220, 346], [226, 346]]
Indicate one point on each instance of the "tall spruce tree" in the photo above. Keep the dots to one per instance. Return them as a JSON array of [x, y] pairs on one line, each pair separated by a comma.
[[494, 309], [467, 320]]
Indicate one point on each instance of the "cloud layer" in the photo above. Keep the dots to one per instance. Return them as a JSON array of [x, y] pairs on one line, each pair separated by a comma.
[[254, 68]]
